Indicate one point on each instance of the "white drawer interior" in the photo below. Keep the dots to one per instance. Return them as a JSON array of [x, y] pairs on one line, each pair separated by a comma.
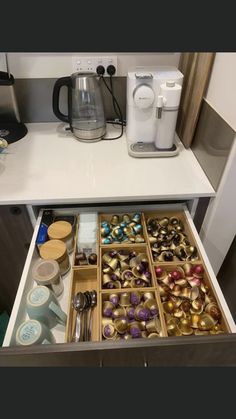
[[19, 314]]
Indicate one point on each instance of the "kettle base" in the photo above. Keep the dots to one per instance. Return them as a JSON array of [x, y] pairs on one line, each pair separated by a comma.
[[89, 135]]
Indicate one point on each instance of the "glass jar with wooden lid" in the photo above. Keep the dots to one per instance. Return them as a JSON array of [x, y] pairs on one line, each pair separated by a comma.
[[47, 272], [62, 230], [56, 250]]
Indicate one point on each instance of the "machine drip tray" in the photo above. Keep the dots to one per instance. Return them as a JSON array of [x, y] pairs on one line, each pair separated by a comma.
[[141, 149]]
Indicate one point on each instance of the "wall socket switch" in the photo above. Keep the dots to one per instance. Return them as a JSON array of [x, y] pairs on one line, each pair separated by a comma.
[[90, 63]]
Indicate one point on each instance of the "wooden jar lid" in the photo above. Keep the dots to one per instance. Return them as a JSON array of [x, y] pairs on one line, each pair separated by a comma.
[[60, 230], [53, 249]]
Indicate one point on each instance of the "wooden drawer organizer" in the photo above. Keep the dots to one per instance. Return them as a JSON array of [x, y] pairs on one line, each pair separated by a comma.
[[90, 277], [187, 230]]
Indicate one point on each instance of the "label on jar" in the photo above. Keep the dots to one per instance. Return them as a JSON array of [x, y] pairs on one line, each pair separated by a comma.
[[29, 332], [39, 295]]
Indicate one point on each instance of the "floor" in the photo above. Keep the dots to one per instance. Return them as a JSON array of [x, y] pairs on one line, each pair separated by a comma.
[[227, 278]]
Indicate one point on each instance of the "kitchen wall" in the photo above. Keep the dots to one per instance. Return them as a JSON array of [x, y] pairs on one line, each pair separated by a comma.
[[57, 65], [35, 75], [215, 147]]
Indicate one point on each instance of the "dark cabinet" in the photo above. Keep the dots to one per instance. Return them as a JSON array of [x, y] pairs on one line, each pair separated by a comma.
[[15, 236]]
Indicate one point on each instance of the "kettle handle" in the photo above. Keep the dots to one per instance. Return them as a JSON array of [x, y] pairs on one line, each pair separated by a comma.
[[63, 81]]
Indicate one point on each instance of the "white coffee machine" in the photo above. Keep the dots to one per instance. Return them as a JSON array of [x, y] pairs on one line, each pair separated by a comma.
[[153, 98]]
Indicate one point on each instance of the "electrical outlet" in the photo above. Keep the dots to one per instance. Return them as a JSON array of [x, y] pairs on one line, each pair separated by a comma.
[[90, 63]]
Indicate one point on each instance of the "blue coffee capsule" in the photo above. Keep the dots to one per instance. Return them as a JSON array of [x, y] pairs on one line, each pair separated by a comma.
[[125, 238], [137, 217], [107, 240], [105, 224], [123, 224], [138, 228], [117, 233], [105, 231]]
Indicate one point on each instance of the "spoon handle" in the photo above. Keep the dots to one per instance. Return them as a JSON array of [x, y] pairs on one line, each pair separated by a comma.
[[77, 329], [89, 324], [85, 325]]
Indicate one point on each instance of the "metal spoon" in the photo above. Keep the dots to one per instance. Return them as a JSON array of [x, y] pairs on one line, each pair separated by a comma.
[[93, 295], [85, 320], [78, 302]]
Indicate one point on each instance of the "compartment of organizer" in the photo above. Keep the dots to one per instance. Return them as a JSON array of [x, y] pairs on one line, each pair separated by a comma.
[[125, 267], [87, 241], [189, 301], [170, 238], [122, 228], [131, 314], [85, 279]]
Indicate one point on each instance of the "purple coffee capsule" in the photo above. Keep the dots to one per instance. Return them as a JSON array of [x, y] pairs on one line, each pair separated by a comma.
[[135, 298], [109, 331], [112, 253], [130, 312], [135, 331], [142, 313], [110, 285], [107, 309], [141, 268], [114, 277], [114, 299], [147, 274]]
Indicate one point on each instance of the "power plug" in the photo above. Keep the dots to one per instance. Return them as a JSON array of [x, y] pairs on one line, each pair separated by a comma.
[[100, 70], [111, 70]]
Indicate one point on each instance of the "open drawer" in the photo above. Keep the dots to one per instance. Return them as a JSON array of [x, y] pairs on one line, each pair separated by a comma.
[[164, 350]]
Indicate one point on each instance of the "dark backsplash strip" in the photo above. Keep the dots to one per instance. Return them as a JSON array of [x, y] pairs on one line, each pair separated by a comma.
[[212, 143], [34, 97]]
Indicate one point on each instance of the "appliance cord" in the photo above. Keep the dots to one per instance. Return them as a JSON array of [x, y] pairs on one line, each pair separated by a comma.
[[116, 109]]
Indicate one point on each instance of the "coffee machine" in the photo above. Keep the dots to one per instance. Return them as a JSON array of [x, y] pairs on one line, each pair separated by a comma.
[[153, 97], [11, 127]]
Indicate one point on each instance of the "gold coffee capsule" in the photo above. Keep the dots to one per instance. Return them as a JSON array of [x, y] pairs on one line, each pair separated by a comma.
[[153, 335], [115, 220], [106, 320], [168, 306], [121, 325], [113, 263], [144, 334], [106, 258], [173, 327], [206, 322], [214, 311], [118, 312], [153, 325], [194, 320], [185, 328], [106, 278], [151, 304], [126, 218], [127, 336], [148, 295], [125, 299]]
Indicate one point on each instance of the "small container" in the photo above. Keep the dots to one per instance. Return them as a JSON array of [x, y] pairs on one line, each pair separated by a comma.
[[62, 230], [47, 272], [56, 250]]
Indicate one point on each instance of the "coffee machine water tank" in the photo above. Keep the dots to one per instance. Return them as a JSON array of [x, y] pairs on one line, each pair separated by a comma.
[[167, 112]]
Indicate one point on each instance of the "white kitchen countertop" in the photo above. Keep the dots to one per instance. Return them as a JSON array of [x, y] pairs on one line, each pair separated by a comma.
[[50, 167]]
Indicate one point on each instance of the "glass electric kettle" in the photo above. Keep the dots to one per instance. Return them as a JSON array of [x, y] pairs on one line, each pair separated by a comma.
[[85, 106]]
